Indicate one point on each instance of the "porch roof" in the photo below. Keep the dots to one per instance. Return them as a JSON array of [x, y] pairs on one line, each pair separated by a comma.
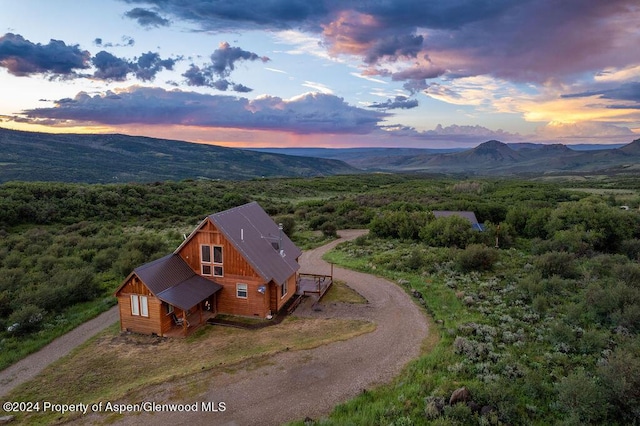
[[189, 293], [174, 282]]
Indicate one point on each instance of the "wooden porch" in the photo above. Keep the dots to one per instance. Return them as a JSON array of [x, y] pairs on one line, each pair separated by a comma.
[[315, 284], [195, 320]]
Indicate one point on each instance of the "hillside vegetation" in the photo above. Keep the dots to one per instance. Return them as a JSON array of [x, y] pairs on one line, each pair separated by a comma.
[[30, 156], [542, 329]]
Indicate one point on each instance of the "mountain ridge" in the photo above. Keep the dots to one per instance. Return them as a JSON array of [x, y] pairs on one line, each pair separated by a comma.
[[104, 158], [98, 158]]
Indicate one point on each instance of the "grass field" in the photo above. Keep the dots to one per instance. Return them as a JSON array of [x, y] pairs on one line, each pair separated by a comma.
[[118, 366]]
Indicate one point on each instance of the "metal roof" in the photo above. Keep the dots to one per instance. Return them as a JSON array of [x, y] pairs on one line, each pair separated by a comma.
[[171, 280], [470, 216], [253, 233]]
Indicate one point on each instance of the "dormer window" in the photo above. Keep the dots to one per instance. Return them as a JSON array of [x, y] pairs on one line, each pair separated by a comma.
[[211, 260]]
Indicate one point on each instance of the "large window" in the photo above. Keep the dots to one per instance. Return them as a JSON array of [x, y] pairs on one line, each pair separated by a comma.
[[284, 288], [241, 291], [139, 305], [211, 260]]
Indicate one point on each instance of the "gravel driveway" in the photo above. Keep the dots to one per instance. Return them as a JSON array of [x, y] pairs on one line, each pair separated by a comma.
[[27, 368], [293, 385], [309, 383]]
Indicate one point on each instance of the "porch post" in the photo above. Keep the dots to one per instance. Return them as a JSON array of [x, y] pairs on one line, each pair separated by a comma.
[[184, 321]]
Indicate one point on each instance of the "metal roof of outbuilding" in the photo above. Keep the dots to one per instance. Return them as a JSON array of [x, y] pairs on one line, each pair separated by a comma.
[[470, 216]]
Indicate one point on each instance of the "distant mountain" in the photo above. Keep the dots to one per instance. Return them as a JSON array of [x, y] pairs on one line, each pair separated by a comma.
[[497, 158], [348, 154], [29, 156], [632, 149]]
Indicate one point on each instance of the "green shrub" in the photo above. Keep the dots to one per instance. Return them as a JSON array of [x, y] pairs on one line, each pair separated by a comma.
[[556, 263], [620, 377], [476, 257], [452, 231], [329, 229], [581, 397], [25, 319], [288, 224]]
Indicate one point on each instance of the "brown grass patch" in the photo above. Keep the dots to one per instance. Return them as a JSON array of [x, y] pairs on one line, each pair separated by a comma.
[[341, 292], [113, 365]]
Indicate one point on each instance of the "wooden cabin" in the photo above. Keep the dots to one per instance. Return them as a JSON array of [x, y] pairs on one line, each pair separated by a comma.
[[236, 262]]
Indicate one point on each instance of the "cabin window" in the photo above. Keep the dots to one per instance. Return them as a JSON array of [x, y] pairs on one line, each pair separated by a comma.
[[284, 289], [211, 260], [241, 291], [169, 308], [144, 307], [135, 305], [139, 305]]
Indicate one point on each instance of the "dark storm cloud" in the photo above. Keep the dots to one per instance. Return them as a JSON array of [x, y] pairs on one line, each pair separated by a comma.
[[399, 102], [624, 92], [223, 62], [23, 58], [223, 59], [519, 40], [203, 77], [147, 18], [126, 42], [406, 45], [310, 113], [216, 15], [150, 63], [110, 67]]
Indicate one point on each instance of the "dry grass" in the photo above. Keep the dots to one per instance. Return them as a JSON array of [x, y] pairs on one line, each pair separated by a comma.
[[113, 365], [340, 292]]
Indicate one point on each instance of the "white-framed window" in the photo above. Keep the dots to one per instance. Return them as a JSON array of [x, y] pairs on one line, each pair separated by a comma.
[[139, 305], [242, 290], [169, 308], [211, 260], [135, 305], [284, 289], [144, 306]]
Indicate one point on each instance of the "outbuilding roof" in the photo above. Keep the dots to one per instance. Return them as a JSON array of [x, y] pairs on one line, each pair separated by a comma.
[[171, 280], [470, 216]]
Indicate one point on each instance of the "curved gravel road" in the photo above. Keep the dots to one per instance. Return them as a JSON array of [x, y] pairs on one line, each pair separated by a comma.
[[28, 367], [309, 383], [293, 385]]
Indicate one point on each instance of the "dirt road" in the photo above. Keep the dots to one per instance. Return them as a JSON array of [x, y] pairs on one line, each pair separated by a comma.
[[29, 367], [309, 383]]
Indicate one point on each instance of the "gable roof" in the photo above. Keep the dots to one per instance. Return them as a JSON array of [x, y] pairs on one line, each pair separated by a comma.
[[470, 216], [251, 231], [171, 280]]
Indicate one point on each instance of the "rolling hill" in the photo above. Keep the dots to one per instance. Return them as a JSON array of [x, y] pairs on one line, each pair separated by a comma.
[[497, 158], [29, 156]]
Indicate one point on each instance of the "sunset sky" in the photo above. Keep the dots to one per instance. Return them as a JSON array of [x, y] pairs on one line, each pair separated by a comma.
[[332, 73]]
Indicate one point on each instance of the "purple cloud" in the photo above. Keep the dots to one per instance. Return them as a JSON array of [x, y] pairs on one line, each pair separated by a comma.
[[147, 18], [624, 92], [218, 14], [223, 62], [110, 67], [223, 59], [310, 113], [524, 41], [399, 102], [23, 58]]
